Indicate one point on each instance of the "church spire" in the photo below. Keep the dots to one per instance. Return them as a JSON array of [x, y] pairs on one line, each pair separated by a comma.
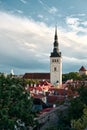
[[56, 38], [56, 45]]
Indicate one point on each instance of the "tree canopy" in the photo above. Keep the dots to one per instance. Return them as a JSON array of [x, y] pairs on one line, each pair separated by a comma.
[[15, 105]]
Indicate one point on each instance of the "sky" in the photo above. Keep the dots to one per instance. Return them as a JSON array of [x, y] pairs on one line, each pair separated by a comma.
[[27, 30]]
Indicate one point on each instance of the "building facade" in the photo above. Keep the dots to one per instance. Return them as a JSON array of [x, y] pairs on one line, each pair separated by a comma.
[[83, 71], [56, 62]]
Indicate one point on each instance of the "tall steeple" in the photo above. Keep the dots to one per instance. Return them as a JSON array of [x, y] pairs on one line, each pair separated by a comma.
[[56, 52], [55, 38], [56, 48], [56, 62]]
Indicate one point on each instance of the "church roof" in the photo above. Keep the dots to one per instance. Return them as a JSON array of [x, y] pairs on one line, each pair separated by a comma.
[[82, 69], [55, 54], [41, 76]]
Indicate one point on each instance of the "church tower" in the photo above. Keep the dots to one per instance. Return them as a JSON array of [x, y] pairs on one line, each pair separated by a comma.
[[56, 62]]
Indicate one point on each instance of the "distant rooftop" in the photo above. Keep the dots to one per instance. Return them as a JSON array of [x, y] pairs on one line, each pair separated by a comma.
[[82, 69], [42, 76]]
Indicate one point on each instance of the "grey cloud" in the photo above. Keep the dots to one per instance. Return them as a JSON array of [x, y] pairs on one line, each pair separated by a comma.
[[25, 45]]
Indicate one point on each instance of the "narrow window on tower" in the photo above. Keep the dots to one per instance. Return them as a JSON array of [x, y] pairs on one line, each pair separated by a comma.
[[55, 69], [52, 60]]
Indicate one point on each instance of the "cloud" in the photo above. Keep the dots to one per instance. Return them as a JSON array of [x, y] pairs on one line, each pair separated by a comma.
[[23, 1], [72, 21], [21, 39], [25, 45], [76, 25], [40, 16], [52, 10], [19, 11], [84, 23]]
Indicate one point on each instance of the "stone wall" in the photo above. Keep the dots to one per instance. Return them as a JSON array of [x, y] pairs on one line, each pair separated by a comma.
[[50, 118]]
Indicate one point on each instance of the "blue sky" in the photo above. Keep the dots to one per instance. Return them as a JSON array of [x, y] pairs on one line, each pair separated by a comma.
[[27, 34]]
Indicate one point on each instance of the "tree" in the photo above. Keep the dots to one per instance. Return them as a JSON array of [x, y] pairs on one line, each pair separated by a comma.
[[83, 94], [76, 108], [15, 105], [71, 75], [81, 123]]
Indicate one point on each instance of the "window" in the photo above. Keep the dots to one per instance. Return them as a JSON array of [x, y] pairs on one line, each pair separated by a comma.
[[55, 69], [57, 60], [52, 60]]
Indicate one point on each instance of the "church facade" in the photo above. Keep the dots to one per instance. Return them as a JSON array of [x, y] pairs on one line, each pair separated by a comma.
[[55, 75]]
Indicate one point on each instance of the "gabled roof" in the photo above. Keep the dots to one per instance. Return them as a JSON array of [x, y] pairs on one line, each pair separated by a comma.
[[37, 76], [82, 69]]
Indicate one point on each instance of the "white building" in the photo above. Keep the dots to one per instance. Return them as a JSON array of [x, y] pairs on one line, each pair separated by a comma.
[[56, 62], [82, 71]]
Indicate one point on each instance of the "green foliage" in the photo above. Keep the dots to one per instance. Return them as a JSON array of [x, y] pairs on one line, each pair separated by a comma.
[[71, 75], [15, 104], [76, 108], [76, 118], [81, 123], [83, 94], [78, 111]]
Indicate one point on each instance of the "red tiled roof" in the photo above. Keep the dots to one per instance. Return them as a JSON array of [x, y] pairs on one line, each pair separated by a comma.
[[60, 91], [38, 88], [40, 96], [37, 76], [54, 98], [82, 69], [46, 110], [45, 83]]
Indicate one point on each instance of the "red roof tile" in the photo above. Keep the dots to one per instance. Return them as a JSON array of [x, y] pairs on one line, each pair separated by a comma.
[[41, 76], [46, 110], [40, 96], [54, 99], [82, 69]]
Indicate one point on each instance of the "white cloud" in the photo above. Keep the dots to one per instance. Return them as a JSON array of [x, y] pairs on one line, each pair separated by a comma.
[[19, 11], [84, 23], [72, 21], [30, 45], [74, 60], [53, 10], [40, 16], [21, 39], [27, 44], [81, 14], [23, 1], [76, 25]]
